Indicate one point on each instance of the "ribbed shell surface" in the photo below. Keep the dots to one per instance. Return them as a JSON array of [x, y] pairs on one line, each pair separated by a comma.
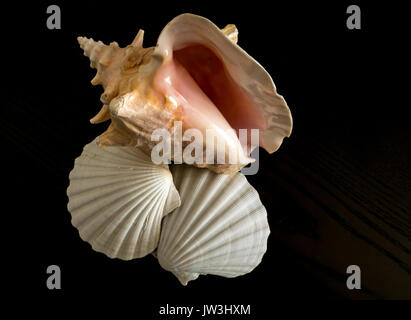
[[117, 198], [220, 228]]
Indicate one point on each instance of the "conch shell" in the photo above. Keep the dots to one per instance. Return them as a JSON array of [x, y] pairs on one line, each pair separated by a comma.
[[196, 74]]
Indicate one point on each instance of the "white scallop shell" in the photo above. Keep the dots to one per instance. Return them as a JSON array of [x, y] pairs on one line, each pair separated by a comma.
[[117, 198], [220, 228]]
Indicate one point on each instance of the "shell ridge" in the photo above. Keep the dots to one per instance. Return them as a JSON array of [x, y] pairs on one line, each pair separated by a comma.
[[96, 180], [217, 239], [202, 225], [143, 237], [107, 192], [132, 211], [185, 185], [126, 154]]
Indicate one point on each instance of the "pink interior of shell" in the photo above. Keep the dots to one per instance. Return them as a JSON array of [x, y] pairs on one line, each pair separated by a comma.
[[197, 80]]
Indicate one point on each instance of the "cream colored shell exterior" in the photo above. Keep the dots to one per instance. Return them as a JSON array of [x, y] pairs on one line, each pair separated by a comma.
[[117, 198], [220, 228]]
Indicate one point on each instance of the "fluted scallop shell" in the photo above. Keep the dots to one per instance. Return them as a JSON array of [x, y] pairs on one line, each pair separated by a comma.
[[117, 198], [220, 228]]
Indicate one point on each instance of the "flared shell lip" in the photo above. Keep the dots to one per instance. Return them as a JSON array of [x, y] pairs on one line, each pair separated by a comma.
[[257, 80]]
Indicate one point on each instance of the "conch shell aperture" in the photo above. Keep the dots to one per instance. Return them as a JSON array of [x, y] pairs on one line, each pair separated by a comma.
[[196, 74]]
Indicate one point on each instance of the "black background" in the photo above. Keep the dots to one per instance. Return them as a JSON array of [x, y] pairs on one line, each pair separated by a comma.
[[344, 88]]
